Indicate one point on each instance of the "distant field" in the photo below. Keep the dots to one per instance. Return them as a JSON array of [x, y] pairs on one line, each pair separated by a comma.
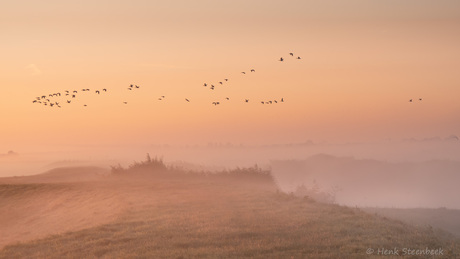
[[149, 211]]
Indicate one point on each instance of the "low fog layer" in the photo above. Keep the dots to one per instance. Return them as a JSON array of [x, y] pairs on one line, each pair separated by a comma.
[[374, 183], [388, 174]]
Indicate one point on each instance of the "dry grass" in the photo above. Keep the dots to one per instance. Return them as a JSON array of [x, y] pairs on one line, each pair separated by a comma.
[[185, 215]]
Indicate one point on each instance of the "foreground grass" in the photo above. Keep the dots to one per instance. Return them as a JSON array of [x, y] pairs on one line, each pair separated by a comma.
[[218, 217]]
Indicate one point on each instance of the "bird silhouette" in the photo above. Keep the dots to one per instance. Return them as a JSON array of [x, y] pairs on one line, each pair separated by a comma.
[[281, 59], [227, 98], [253, 70], [419, 99], [75, 92], [105, 90], [85, 105], [68, 101], [410, 100], [243, 73], [298, 58], [125, 102], [226, 79], [220, 83], [292, 54], [205, 84], [97, 91], [137, 86], [247, 100], [282, 100], [73, 96], [187, 100], [130, 88], [262, 102]]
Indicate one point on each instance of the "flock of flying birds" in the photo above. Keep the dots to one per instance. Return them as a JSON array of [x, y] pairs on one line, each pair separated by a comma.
[[49, 99]]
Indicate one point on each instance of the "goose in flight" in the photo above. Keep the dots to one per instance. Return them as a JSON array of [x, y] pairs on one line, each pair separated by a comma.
[[125, 102], [68, 101], [137, 86], [243, 73], [262, 102], [298, 58], [187, 100], [220, 83], [247, 100], [419, 99], [205, 84], [226, 79], [292, 54], [282, 100], [281, 59], [410, 100], [97, 91], [75, 92], [253, 70], [227, 98], [73, 96]]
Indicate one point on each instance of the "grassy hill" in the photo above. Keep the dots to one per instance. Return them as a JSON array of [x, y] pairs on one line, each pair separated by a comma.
[[151, 211]]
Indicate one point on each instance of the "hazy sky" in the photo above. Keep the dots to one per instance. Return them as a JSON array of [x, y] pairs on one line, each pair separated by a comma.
[[361, 63]]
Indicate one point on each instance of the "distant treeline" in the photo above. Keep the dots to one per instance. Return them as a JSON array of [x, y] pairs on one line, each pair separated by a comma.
[[156, 167]]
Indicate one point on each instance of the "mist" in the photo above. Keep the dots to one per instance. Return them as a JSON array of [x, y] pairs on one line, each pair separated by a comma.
[[404, 174]]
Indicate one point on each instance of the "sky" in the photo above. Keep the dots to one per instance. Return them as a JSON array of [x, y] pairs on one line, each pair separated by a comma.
[[361, 62]]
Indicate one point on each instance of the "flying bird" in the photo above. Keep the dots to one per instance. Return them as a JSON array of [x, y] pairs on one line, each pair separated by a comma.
[[187, 100], [281, 59], [205, 84], [253, 70], [68, 101], [410, 100], [105, 90], [125, 102], [226, 79], [298, 58], [247, 100], [243, 73], [282, 100], [97, 91], [292, 54], [227, 98]]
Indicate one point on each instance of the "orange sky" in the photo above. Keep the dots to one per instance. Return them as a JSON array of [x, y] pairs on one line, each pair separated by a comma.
[[361, 63]]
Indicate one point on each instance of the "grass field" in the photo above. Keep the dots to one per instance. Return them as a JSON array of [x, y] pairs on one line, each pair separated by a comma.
[[150, 211]]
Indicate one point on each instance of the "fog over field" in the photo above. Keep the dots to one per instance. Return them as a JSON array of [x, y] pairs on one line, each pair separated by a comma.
[[402, 174]]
